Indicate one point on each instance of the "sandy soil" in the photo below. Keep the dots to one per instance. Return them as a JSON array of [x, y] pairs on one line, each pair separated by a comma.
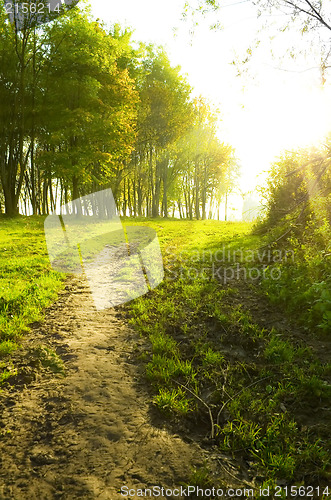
[[86, 435]]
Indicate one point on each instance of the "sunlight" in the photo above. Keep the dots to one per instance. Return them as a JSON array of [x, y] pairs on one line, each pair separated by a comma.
[[308, 119], [261, 115]]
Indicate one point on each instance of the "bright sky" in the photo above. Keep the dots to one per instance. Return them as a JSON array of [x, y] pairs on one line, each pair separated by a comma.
[[264, 112]]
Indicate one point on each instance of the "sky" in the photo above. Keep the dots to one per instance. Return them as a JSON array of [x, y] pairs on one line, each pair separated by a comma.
[[277, 104]]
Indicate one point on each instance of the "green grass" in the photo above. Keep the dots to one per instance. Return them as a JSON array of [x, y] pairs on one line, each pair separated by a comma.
[[261, 394], [251, 386], [27, 283], [48, 359], [304, 286], [172, 400]]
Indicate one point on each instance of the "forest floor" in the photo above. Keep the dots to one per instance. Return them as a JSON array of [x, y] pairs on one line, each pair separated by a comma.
[[76, 413], [85, 435]]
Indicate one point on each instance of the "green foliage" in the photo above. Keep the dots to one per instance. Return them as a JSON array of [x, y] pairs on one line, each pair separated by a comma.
[[7, 347], [82, 109], [6, 374], [90, 105], [172, 400], [161, 369], [201, 477], [280, 351], [163, 344], [49, 359], [213, 358]]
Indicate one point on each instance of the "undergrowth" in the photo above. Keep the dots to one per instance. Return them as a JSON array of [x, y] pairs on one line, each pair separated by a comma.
[[260, 394]]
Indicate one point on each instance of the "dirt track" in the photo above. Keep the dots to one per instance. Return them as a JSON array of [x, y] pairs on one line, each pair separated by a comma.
[[88, 434]]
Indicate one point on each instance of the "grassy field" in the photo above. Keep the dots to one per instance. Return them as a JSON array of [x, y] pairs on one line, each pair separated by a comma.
[[216, 360], [27, 283], [222, 359]]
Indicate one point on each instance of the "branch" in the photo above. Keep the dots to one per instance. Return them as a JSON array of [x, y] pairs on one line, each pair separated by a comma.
[[315, 14], [212, 433]]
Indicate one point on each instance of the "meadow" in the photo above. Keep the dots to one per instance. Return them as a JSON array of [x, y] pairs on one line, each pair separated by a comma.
[[224, 360], [227, 359], [27, 283]]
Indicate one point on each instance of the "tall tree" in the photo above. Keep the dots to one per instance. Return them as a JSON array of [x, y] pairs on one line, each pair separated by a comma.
[[164, 114], [202, 162], [17, 63], [90, 107]]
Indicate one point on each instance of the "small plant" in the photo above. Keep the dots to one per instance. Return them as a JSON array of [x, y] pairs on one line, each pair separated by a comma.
[[201, 477], [315, 388], [279, 351], [49, 359], [173, 401], [239, 434], [162, 368], [7, 347], [163, 344], [6, 374], [212, 358]]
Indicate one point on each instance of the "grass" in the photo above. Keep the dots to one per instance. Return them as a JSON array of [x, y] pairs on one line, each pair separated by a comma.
[[214, 365], [27, 282], [172, 400], [261, 394], [304, 284]]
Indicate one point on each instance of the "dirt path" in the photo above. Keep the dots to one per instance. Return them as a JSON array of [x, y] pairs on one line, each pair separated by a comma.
[[88, 434]]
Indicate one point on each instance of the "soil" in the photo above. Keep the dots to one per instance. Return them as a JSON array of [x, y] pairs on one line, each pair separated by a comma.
[[87, 434]]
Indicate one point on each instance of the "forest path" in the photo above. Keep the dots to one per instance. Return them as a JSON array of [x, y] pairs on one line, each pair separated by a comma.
[[88, 434]]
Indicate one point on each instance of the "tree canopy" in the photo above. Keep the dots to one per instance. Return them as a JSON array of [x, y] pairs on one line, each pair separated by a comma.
[[82, 110]]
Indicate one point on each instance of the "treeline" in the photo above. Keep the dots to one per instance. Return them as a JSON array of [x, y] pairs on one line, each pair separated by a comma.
[[83, 109]]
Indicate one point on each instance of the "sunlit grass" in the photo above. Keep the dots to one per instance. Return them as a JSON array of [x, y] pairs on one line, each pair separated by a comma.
[[27, 282], [255, 395]]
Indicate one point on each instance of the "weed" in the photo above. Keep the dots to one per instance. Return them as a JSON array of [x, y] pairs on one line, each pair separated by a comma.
[[6, 374], [49, 359], [162, 369], [7, 347], [173, 401], [212, 357], [201, 477], [163, 344]]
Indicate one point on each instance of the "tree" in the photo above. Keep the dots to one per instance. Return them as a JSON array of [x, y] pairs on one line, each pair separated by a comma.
[[18, 59], [164, 114], [299, 189], [82, 110], [200, 162], [90, 108]]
